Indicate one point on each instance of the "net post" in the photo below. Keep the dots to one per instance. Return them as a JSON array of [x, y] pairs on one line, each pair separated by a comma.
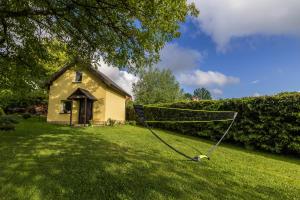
[[210, 151]]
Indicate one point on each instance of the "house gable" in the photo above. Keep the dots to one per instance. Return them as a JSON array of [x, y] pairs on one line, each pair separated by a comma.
[[99, 75], [64, 85]]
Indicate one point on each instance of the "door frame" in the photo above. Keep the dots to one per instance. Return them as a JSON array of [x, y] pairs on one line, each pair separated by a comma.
[[85, 104]]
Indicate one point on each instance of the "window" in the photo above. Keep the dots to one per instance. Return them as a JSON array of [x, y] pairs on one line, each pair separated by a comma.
[[66, 106], [78, 77]]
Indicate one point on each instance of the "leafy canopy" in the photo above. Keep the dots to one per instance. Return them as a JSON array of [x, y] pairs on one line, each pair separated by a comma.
[[126, 33], [20, 83], [157, 86], [202, 93], [188, 96], [38, 36]]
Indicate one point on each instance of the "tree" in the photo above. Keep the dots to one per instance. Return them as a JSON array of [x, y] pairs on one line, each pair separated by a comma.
[[202, 93], [157, 86], [187, 96], [21, 84], [124, 33]]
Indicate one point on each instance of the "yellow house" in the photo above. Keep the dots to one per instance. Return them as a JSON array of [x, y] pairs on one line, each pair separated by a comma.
[[80, 94]]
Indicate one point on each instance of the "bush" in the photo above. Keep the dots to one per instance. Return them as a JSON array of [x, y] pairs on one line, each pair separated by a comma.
[[7, 122], [133, 123], [2, 112], [10, 99], [9, 119], [130, 114], [7, 127], [26, 116], [111, 122], [270, 123]]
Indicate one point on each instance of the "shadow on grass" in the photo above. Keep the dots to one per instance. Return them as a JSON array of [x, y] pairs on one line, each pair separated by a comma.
[[63, 163]]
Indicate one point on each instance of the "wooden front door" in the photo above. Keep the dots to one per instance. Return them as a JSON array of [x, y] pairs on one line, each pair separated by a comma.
[[89, 111]]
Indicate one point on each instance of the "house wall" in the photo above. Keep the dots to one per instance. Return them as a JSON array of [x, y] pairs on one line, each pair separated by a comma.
[[115, 106], [64, 86]]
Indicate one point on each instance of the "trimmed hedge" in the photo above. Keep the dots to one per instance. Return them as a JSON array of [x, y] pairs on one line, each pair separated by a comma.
[[154, 113], [270, 123]]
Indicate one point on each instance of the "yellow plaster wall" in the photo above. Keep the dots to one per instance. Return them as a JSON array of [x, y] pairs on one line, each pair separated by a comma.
[[115, 106], [64, 86]]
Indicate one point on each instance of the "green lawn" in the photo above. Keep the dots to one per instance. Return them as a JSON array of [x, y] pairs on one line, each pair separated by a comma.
[[43, 161]]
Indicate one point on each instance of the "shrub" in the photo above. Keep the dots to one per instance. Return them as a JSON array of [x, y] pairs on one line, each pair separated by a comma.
[[270, 123], [111, 122], [2, 112], [14, 119], [7, 127], [26, 116], [91, 123], [130, 114], [133, 123], [7, 122]]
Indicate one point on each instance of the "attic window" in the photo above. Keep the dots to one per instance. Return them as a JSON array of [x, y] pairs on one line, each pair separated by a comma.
[[78, 77]]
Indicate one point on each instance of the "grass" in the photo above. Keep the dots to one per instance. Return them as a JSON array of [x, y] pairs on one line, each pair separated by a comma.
[[44, 161]]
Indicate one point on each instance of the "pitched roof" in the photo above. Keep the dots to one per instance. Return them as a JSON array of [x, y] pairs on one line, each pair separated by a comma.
[[107, 81], [82, 93]]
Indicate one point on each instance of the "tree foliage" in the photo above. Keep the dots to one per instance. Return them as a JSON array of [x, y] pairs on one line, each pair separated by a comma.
[[39, 36], [187, 96], [125, 33], [157, 86], [20, 84], [202, 93]]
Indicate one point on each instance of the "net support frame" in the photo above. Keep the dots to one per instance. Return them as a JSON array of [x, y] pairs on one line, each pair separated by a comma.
[[140, 113]]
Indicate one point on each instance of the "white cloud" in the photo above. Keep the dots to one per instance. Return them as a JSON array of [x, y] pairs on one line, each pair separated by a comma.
[[178, 58], [216, 92], [224, 20], [184, 63], [255, 81], [206, 79], [122, 78]]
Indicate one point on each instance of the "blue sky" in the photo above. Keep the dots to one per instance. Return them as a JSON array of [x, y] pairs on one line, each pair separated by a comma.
[[234, 48], [238, 48], [264, 64]]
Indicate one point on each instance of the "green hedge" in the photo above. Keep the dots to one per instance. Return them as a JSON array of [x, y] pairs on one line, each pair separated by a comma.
[[270, 123]]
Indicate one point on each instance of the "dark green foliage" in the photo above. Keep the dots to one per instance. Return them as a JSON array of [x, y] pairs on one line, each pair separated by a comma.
[[2, 112], [153, 113], [188, 96], [133, 123], [202, 93], [7, 122], [270, 123], [130, 114], [157, 86], [26, 115], [124, 33], [37, 37], [10, 100], [112, 122], [7, 126], [10, 119]]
